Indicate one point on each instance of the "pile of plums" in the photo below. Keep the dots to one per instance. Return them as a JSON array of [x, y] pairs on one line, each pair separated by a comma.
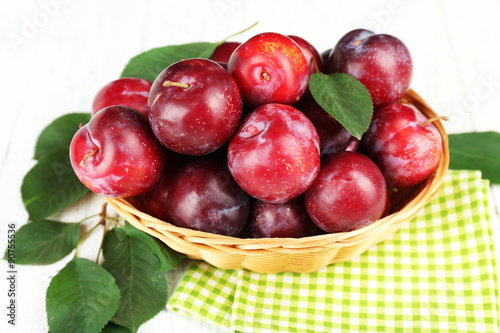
[[236, 145]]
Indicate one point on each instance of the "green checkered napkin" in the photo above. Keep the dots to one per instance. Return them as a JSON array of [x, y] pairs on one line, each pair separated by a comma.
[[437, 273]]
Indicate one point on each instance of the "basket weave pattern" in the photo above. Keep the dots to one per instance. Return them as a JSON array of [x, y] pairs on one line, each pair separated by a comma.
[[308, 254]]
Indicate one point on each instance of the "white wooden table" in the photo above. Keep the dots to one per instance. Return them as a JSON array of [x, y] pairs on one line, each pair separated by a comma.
[[55, 55]]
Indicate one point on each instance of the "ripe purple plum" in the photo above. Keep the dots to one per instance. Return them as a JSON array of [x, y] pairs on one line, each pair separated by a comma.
[[269, 68], [116, 154], [223, 52], [281, 220], [274, 155], [381, 62], [128, 91], [203, 196], [349, 193], [405, 145], [333, 137], [195, 106]]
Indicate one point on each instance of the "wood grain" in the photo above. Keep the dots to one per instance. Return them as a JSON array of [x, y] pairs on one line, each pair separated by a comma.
[[56, 54]]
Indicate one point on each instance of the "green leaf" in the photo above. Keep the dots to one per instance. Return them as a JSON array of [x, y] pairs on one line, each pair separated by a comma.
[[143, 287], [149, 64], [114, 328], [58, 134], [50, 186], [345, 99], [82, 297], [476, 151], [169, 259], [45, 242]]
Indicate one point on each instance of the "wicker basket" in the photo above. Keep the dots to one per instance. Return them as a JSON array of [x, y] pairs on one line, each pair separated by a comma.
[[308, 254]]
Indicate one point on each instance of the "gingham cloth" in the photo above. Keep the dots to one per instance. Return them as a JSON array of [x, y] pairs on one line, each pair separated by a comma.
[[437, 273]]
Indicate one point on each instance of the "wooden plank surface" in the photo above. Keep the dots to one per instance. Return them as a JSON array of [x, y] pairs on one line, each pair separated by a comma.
[[56, 54]]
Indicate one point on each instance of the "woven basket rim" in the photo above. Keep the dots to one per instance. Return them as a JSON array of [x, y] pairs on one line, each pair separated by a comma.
[[201, 241]]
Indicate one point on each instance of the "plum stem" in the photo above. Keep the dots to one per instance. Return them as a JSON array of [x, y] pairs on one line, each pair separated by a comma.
[[238, 33], [92, 152], [175, 84], [433, 119]]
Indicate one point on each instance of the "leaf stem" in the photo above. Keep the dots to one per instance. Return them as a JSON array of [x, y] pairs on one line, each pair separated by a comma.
[[88, 218], [316, 66], [115, 220], [105, 229], [84, 237]]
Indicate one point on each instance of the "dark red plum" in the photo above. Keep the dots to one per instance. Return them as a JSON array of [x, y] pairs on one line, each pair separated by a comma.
[[116, 154], [223, 52], [381, 62], [405, 146], [349, 193], [269, 68], [333, 137], [129, 91], [313, 58], [325, 56], [203, 196], [194, 106], [274, 155], [154, 201], [282, 220]]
